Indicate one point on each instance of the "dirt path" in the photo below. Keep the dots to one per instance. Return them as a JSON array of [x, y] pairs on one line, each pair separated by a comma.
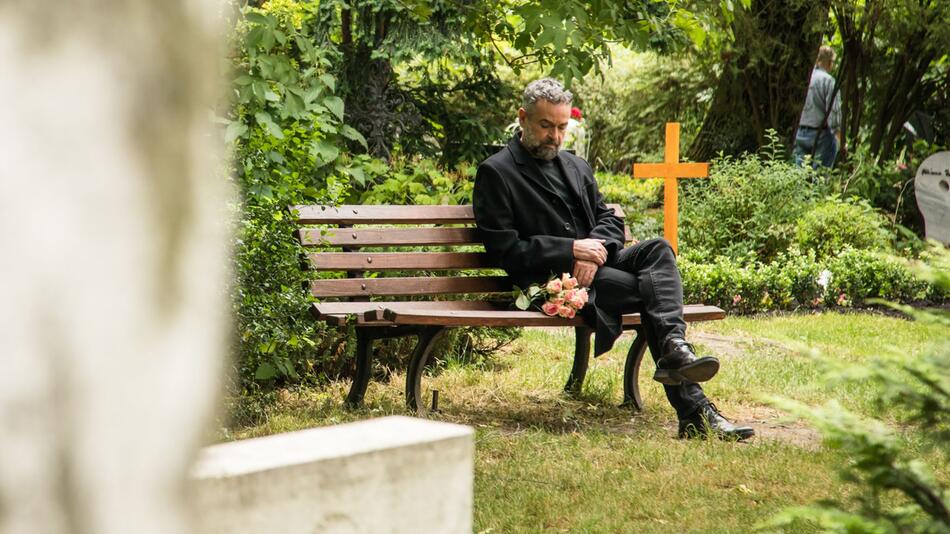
[[769, 423]]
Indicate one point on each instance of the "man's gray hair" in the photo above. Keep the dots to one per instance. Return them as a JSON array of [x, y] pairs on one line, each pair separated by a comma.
[[826, 54], [545, 89]]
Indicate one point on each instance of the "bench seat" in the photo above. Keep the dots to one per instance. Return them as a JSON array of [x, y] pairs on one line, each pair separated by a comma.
[[386, 254]]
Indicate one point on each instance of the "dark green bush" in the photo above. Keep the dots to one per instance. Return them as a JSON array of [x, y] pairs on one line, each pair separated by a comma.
[[747, 206], [286, 128], [796, 280], [860, 275], [835, 224], [419, 181]]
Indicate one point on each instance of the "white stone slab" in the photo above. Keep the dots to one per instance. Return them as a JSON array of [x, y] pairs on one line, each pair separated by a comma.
[[393, 474]]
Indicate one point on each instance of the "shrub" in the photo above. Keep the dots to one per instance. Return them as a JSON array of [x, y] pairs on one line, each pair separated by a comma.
[[835, 224], [796, 279], [747, 206], [861, 275], [286, 128], [419, 181]]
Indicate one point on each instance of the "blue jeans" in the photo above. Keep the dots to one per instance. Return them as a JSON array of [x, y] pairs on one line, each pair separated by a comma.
[[824, 153]]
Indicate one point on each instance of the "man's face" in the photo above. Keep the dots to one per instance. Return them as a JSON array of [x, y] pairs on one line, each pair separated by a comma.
[[543, 128]]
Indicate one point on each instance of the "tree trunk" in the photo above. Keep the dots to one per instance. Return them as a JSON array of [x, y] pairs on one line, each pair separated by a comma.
[[764, 82]]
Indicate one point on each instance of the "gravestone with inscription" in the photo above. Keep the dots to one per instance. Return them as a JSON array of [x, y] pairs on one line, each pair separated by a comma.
[[932, 187]]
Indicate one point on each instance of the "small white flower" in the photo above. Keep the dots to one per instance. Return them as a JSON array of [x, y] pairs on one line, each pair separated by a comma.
[[824, 278]]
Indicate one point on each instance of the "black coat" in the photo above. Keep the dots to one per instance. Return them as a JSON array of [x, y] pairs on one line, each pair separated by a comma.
[[527, 228]]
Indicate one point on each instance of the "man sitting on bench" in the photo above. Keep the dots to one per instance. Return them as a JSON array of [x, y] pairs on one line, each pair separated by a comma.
[[539, 212]]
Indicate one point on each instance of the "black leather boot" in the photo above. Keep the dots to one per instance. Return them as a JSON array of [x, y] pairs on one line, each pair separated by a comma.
[[680, 364], [707, 420]]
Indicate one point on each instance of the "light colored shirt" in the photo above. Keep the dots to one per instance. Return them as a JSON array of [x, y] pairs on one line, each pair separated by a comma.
[[817, 103]]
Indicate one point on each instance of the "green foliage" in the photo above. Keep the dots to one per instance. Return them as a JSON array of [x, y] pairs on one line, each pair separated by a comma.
[[281, 78], [748, 206], [286, 128], [795, 279], [572, 36], [835, 224], [887, 185], [861, 275], [631, 193], [627, 105], [898, 493], [420, 181]]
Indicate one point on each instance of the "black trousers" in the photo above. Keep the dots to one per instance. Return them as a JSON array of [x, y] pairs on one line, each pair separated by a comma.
[[644, 279]]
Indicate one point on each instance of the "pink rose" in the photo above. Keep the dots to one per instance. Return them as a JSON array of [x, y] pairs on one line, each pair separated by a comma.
[[583, 295], [557, 301], [577, 302], [566, 311], [550, 308], [554, 286], [569, 294], [568, 281]]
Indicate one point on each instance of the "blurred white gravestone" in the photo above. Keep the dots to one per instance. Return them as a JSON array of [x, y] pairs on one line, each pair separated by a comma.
[[392, 475], [932, 187], [113, 268]]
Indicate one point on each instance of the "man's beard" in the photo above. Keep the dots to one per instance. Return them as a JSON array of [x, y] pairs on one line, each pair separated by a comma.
[[538, 149]]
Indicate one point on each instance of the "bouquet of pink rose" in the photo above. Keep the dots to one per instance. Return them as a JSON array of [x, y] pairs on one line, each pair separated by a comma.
[[560, 296]]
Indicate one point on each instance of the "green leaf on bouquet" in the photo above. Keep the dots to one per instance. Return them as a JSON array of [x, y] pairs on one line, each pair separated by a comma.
[[522, 302], [534, 291]]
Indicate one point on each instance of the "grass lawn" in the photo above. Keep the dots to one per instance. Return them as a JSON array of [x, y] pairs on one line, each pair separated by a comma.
[[548, 463]]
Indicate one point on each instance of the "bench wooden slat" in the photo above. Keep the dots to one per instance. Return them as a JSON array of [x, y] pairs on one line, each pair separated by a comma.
[[369, 287], [380, 237], [359, 214], [382, 261], [691, 313], [372, 313]]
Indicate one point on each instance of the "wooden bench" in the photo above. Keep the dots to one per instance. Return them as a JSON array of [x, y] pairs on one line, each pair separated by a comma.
[[362, 244]]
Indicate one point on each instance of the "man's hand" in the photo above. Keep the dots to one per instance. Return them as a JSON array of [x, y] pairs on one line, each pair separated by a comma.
[[584, 271], [591, 250]]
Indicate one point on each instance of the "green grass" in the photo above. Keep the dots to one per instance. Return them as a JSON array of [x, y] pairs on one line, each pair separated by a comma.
[[548, 463]]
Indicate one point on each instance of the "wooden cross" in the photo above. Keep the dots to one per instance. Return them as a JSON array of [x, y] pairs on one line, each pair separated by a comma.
[[670, 170]]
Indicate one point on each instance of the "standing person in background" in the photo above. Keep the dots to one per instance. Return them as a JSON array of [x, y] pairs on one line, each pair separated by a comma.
[[819, 128]]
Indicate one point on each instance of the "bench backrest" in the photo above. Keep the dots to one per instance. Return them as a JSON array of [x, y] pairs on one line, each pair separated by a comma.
[[365, 243]]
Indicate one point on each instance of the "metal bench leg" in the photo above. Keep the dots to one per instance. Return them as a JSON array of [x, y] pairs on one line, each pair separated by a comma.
[[631, 371], [420, 355], [581, 358], [364, 367]]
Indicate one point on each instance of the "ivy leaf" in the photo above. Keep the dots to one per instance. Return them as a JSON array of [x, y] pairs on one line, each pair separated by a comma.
[[358, 175], [260, 18], [234, 130], [323, 152], [350, 133], [329, 81], [335, 105], [268, 40], [268, 123], [294, 104], [253, 38], [265, 371]]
